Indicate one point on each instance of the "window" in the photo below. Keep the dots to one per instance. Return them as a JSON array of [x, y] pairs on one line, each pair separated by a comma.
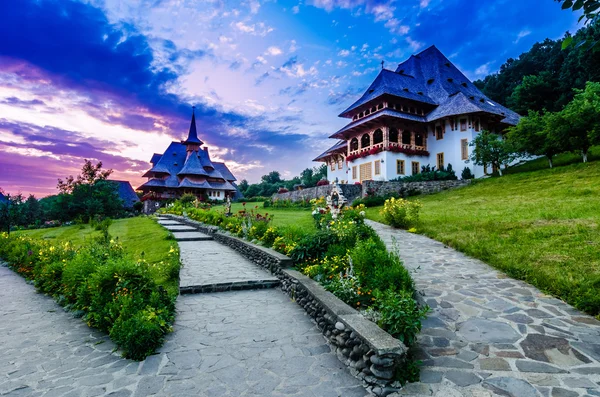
[[464, 149], [419, 139], [365, 141], [377, 136], [365, 172], [354, 144], [415, 167], [400, 167], [378, 167], [406, 137], [439, 132], [218, 194], [463, 124], [440, 161], [393, 135], [477, 125], [354, 172], [332, 164], [340, 163]]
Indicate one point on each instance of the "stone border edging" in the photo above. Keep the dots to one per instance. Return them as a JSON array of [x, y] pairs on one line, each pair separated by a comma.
[[372, 354], [233, 286]]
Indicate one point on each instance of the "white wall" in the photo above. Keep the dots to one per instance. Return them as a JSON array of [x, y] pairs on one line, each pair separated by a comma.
[[340, 174]]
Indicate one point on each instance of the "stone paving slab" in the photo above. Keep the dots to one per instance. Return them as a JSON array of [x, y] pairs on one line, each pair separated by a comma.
[[248, 343], [208, 262], [191, 236], [180, 228], [167, 221], [491, 335]]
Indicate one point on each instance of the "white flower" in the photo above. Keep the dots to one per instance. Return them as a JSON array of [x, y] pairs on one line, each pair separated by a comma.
[[362, 213]]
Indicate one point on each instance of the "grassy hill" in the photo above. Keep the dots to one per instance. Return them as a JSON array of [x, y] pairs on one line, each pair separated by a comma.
[[542, 227]]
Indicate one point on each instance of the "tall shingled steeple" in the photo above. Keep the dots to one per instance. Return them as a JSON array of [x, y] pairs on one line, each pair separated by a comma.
[[192, 138]]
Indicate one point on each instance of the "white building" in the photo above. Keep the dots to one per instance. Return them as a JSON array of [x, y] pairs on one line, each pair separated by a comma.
[[424, 113]]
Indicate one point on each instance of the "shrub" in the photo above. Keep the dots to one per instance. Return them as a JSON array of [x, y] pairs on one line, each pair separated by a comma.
[[187, 199], [282, 190], [323, 182], [401, 213], [400, 315], [466, 174], [313, 246], [113, 293]]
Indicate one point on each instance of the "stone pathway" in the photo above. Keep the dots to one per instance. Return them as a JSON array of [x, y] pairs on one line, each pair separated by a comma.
[[209, 266], [242, 343], [490, 335]]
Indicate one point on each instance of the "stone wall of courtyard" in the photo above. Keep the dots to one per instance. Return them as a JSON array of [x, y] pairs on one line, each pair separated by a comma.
[[376, 188]]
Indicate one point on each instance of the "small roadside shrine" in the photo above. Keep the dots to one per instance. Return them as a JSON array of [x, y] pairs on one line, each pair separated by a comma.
[[336, 200]]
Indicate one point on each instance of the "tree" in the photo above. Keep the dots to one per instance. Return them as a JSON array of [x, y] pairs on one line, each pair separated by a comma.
[[32, 211], [90, 174], [569, 68], [243, 186], [88, 195], [272, 177], [491, 149], [536, 135], [536, 92], [579, 121]]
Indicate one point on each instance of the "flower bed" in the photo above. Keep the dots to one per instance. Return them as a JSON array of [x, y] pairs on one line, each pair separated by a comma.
[[113, 293], [345, 256]]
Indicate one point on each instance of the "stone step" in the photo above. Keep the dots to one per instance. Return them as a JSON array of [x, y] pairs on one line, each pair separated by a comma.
[[180, 228], [230, 286], [169, 222], [189, 235]]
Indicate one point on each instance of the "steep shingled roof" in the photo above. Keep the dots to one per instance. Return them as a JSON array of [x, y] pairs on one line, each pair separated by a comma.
[[193, 134], [126, 193], [388, 82], [440, 82], [193, 166], [175, 161], [335, 148]]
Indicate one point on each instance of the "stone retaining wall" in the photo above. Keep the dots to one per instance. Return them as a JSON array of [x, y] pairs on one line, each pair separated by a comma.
[[380, 188], [377, 188], [351, 192], [372, 354]]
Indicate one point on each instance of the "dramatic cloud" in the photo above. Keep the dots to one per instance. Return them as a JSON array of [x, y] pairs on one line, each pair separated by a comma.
[[115, 80]]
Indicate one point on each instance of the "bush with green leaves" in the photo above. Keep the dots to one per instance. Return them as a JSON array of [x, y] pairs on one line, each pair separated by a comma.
[[400, 315], [401, 213], [114, 293], [466, 174]]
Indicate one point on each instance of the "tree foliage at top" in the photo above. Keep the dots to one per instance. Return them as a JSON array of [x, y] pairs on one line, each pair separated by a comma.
[[90, 174], [544, 77], [575, 128], [591, 15], [272, 182]]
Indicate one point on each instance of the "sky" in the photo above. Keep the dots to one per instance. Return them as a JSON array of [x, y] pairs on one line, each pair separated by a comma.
[[115, 80]]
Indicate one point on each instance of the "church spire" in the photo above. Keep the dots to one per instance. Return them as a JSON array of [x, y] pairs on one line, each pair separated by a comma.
[[193, 134]]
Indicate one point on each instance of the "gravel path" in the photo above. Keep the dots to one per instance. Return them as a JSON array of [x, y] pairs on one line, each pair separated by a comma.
[[491, 335]]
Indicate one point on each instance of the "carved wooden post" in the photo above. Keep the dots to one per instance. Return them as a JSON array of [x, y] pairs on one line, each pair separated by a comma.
[[386, 137]]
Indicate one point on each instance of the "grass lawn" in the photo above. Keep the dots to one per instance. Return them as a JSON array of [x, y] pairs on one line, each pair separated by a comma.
[[559, 160], [138, 235], [292, 217], [542, 227]]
